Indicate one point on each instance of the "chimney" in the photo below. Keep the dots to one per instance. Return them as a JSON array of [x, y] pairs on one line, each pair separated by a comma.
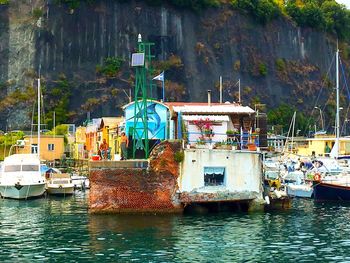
[[209, 97]]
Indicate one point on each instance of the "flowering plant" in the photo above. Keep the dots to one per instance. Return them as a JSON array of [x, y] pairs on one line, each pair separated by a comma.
[[205, 126]]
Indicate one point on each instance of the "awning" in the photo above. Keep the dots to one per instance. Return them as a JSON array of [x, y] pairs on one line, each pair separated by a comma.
[[214, 170], [204, 117]]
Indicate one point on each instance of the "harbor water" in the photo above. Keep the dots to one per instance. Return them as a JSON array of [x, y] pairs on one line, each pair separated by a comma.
[[62, 230]]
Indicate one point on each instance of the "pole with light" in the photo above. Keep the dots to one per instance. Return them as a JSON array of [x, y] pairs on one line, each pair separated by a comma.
[[321, 116]]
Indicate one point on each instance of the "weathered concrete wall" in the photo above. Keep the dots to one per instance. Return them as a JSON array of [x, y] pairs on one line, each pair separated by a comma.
[[128, 190], [243, 173]]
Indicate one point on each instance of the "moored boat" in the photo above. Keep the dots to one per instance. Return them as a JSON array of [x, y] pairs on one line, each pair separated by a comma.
[[21, 177], [330, 191], [304, 190], [80, 181], [58, 183]]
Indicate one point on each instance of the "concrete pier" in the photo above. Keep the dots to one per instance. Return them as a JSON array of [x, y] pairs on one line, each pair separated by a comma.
[[168, 184]]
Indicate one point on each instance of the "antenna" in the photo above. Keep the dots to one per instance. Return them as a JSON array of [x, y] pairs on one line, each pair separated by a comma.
[[38, 147], [54, 124], [337, 98], [239, 91], [220, 89]]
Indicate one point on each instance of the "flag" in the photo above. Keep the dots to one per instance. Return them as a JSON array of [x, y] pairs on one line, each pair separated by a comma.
[[159, 77]]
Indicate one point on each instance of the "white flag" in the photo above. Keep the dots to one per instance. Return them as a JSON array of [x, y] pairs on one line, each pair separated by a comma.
[[159, 77]]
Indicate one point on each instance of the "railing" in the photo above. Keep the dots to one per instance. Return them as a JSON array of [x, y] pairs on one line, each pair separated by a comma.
[[241, 141]]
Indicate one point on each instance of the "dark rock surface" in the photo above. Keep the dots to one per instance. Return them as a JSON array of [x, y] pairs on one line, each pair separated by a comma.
[[217, 41]]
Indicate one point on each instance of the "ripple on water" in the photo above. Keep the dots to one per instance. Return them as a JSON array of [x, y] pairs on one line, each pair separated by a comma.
[[63, 230]]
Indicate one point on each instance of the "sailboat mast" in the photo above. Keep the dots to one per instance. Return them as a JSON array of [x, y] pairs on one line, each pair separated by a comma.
[[38, 147], [337, 114]]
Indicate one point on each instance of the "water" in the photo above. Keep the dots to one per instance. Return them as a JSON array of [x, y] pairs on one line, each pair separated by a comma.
[[62, 230]]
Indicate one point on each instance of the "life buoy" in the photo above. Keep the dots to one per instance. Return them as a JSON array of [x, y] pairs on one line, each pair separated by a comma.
[[317, 177]]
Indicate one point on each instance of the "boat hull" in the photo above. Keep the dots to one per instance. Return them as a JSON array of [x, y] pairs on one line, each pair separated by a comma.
[[22, 192], [60, 190], [303, 191], [332, 192]]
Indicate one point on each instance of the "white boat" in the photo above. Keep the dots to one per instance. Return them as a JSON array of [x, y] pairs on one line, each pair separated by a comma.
[[80, 182], [300, 190], [58, 183], [21, 177]]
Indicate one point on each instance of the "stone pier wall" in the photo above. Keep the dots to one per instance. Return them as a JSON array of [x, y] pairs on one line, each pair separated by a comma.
[[118, 188]]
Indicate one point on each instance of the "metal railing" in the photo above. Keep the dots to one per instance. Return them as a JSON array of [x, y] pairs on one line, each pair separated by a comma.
[[241, 140]]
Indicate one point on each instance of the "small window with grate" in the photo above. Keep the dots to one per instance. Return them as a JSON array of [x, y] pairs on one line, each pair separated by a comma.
[[214, 176], [34, 148], [51, 147]]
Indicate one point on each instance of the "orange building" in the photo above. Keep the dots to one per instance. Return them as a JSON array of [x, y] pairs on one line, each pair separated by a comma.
[[51, 147]]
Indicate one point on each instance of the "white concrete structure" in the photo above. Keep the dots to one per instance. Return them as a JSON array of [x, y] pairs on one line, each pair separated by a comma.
[[237, 174]]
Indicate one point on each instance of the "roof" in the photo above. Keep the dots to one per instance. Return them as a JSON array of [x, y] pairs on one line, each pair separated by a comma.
[[330, 138], [22, 159], [111, 121], [209, 117], [152, 101], [213, 108], [93, 125], [44, 136]]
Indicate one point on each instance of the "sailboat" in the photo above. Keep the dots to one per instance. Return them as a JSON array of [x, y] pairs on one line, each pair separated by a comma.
[[333, 187], [21, 175]]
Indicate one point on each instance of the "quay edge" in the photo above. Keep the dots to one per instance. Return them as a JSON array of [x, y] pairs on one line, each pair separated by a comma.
[[165, 185]]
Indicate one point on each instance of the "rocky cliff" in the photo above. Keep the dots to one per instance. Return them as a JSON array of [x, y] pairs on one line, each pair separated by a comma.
[[277, 62]]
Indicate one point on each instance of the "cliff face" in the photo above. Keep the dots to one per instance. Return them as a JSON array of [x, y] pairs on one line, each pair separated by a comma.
[[273, 61]]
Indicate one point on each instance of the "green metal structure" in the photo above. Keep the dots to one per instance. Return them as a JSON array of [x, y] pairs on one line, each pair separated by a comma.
[[143, 84]]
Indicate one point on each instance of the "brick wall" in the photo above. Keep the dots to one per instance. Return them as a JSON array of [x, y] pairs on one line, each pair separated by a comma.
[[138, 189]]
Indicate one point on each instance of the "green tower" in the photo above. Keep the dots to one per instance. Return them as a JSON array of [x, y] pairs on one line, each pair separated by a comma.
[[143, 83]]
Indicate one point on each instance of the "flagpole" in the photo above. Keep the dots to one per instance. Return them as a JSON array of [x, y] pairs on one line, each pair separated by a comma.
[[163, 87]]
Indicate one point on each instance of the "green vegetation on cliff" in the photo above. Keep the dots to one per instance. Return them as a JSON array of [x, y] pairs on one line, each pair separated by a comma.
[[281, 117], [326, 15]]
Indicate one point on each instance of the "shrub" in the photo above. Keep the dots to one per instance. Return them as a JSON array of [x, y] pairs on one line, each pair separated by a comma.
[[280, 64], [237, 65], [337, 19], [73, 4], [37, 13], [111, 66], [309, 15], [262, 69], [262, 10], [179, 156]]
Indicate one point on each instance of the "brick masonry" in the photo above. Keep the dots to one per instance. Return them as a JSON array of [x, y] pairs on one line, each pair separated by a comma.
[[137, 190]]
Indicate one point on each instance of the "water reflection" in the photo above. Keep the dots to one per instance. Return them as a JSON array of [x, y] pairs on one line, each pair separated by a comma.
[[57, 229], [133, 237]]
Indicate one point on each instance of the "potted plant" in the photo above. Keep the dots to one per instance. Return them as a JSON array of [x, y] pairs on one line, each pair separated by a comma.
[[230, 133]]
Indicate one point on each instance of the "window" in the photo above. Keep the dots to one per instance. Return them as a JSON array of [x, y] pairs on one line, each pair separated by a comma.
[[214, 176], [51, 147], [12, 168], [34, 148], [30, 168]]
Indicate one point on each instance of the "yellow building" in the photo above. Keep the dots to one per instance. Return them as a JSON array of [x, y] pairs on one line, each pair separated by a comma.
[[322, 145], [51, 147], [80, 151], [109, 130]]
